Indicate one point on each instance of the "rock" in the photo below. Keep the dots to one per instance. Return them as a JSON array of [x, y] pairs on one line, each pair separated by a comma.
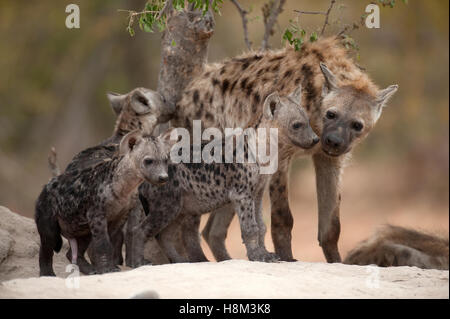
[[19, 247]]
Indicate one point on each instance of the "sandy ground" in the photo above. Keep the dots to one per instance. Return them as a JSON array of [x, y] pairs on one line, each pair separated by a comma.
[[242, 279], [231, 279]]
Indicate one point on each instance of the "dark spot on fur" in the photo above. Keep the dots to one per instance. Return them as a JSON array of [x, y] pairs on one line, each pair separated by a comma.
[[215, 82], [225, 85], [244, 83], [195, 96], [233, 85], [276, 58], [256, 98], [288, 73], [318, 55]]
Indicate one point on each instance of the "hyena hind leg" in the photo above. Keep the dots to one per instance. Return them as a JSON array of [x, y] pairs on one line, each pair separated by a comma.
[[215, 231], [191, 238], [83, 244], [169, 239]]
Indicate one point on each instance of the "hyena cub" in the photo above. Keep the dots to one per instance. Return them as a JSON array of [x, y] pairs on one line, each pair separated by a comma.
[[89, 205], [140, 109], [199, 188]]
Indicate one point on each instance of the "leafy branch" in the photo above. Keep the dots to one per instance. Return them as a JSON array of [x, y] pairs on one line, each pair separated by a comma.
[[295, 35], [155, 13]]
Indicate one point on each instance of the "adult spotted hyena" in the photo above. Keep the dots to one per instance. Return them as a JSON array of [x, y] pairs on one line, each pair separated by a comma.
[[343, 105]]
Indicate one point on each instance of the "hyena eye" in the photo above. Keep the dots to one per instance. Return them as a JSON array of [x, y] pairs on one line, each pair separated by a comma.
[[297, 125], [357, 126], [148, 161], [331, 115]]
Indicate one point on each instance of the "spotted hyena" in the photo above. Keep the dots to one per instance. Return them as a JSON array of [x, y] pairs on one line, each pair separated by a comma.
[[142, 109], [198, 188], [91, 204], [399, 246], [343, 105]]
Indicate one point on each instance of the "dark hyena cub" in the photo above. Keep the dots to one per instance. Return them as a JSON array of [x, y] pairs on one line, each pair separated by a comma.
[[198, 188], [90, 204], [142, 109]]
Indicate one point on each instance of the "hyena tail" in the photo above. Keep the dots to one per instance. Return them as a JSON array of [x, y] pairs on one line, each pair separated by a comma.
[[49, 232], [399, 246]]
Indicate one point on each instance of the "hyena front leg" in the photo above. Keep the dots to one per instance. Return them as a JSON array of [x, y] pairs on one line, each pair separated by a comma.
[[328, 178], [191, 238], [260, 222], [215, 231], [256, 251], [171, 241], [158, 219], [135, 217], [281, 216], [102, 249]]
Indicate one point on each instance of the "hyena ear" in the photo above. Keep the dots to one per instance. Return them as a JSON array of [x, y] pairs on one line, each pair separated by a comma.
[[330, 80], [129, 142], [382, 98], [170, 137], [116, 101], [296, 96], [140, 102], [384, 95], [270, 105]]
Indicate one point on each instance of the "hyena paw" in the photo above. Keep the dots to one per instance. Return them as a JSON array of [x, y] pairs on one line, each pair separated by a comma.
[[264, 256], [107, 269]]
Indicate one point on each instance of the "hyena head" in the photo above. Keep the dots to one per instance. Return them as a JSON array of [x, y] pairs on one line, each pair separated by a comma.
[[348, 114], [291, 119], [148, 155], [139, 109]]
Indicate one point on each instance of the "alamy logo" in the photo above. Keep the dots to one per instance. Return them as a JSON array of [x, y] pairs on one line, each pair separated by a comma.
[[373, 18], [73, 19], [251, 146]]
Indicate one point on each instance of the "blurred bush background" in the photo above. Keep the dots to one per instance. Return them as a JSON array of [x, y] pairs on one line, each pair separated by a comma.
[[53, 83]]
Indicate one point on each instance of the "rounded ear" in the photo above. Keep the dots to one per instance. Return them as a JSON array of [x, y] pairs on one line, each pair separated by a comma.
[[116, 101], [139, 102], [384, 95], [330, 80], [169, 137], [296, 96], [271, 104], [129, 142]]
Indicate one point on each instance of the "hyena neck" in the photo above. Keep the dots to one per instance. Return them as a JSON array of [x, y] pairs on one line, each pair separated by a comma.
[[125, 124], [126, 178]]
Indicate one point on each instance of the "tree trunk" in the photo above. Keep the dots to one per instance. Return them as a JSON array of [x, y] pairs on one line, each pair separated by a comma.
[[184, 50]]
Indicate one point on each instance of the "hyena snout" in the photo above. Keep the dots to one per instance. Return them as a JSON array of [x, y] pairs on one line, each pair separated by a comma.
[[333, 144], [308, 138], [155, 171]]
